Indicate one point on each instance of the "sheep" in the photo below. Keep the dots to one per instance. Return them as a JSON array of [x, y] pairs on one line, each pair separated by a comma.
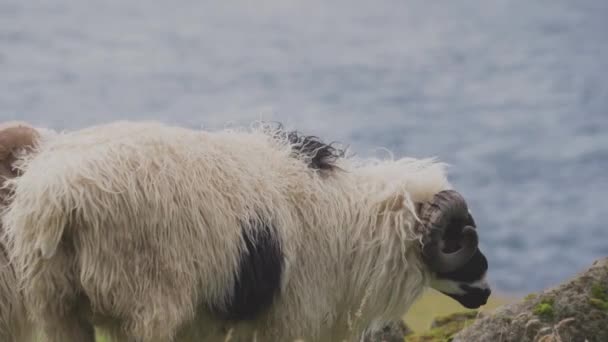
[[152, 232], [15, 138]]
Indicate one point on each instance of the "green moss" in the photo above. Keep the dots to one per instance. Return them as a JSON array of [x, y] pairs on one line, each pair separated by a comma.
[[599, 296], [599, 304], [599, 291], [445, 330], [530, 297], [544, 309]]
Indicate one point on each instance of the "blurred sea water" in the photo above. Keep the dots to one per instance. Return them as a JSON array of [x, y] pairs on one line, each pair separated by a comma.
[[513, 94]]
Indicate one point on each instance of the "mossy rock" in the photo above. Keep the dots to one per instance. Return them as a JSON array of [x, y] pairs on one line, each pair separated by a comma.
[[576, 310], [444, 328]]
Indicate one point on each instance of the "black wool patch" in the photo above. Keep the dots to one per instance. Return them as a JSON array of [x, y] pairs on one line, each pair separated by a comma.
[[258, 279]]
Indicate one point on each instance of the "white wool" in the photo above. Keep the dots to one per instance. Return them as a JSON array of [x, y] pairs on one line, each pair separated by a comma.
[[14, 323], [145, 220]]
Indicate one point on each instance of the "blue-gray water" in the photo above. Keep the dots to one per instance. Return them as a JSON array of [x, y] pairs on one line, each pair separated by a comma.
[[513, 94]]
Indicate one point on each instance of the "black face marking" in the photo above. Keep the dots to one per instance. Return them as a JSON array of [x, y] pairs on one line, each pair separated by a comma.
[[466, 284], [453, 232], [473, 298], [472, 271], [258, 280]]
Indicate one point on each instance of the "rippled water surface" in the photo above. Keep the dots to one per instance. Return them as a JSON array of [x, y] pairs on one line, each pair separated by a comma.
[[513, 94]]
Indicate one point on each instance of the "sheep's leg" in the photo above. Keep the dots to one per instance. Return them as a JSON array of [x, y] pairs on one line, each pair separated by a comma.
[[57, 303], [72, 328], [68, 321], [152, 328]]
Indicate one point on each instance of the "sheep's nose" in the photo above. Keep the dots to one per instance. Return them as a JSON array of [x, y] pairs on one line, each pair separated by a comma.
[[485, 295]]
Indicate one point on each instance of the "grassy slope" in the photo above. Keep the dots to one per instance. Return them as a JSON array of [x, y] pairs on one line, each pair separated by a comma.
[[434, 304]]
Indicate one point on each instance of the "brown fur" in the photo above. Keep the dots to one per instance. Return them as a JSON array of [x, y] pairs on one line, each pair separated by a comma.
[[14, 138], [14, 325]]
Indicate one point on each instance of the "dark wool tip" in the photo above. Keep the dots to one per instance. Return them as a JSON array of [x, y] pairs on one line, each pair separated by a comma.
[[258, 279], [317, 154]]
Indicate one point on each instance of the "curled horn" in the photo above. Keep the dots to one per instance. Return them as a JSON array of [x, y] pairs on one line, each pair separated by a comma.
[[447, 217]]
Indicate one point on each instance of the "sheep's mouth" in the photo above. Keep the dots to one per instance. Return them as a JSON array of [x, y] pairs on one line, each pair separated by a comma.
[[473, 298]]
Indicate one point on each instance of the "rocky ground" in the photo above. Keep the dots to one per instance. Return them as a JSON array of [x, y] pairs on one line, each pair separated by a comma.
[[575, 311]]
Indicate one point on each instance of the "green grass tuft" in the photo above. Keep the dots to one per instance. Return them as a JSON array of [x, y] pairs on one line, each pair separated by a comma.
[[544, 309], [599, 291], [598, 303], [441, 333], [101, 337], [599, 296]]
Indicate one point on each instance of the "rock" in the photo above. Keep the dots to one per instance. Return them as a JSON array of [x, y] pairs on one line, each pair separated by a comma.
[[392, 332], [576, 310]]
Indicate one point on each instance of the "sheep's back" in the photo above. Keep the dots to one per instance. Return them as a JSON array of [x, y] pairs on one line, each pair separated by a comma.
[[154, 214]]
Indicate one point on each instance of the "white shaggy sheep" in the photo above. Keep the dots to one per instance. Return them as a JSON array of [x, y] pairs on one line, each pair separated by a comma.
[[159, 233]]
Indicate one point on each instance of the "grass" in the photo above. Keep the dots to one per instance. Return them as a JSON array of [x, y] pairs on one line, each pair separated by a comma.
[[102, 339], [544, 309], [599, 296], [450, 326]]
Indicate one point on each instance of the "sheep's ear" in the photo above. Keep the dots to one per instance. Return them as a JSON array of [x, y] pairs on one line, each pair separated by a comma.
[[12, 139]]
